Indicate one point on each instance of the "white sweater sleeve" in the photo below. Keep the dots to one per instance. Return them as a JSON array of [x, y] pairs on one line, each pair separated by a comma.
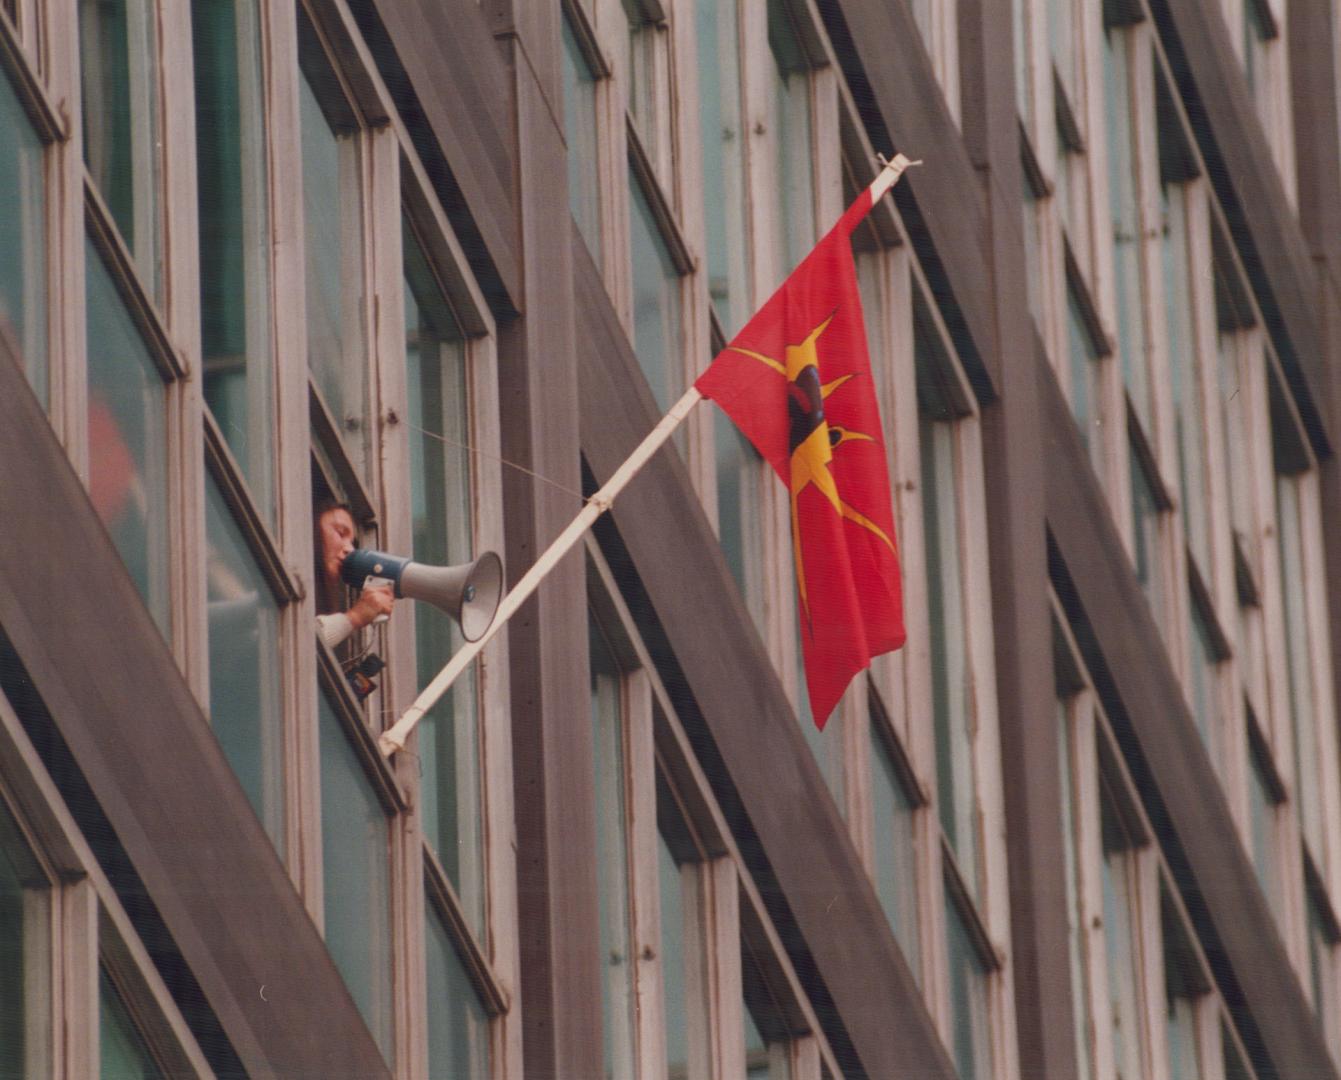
[[334, 629]]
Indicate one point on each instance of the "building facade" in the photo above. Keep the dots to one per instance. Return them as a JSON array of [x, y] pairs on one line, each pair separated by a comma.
[[447, 264]]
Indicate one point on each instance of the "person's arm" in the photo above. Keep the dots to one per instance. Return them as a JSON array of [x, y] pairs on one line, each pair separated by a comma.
[[334, 629], [372, 603]]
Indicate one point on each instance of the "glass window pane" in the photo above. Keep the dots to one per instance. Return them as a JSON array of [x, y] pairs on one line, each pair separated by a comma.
[[25, 934], [1124, 210], [124, 1053], [119, 69], [1298, 653], [1120, 932], [895, 854], [740, 527], [674, 977], [356, 853], [127, 437], [245, 702], [794, 183], [1262, 826], [1146, 545], [612, 853], [968, 999], [440, 502], [23, 270], [1075, 935], [955, 788], [763, 1060], [579, 118], [826, 745], [458, 1027], [1235, 1067], [1084, 359], [1183, 372], [332, 213], [234, 235], [657, 329], [1202, 683], [649, 112], [724, 209]]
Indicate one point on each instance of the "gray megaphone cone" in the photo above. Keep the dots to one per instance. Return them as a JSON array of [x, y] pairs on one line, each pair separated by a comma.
[[468, 592]]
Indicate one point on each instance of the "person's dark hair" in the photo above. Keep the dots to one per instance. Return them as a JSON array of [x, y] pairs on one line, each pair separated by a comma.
[[330, 598]]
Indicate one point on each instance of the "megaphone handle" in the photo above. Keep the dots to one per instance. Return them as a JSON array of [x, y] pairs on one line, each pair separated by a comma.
[[371, 582]]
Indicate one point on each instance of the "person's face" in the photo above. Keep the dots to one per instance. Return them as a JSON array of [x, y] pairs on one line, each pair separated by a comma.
[[337, 541]]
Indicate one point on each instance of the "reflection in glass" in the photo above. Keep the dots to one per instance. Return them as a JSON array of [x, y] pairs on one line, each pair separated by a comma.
[[440, 503], [675, 990], [23, 270], [127, 436], [245, 705], [234, 235], [356, 862]]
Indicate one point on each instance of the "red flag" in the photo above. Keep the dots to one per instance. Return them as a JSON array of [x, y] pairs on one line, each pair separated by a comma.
[[797, 382]]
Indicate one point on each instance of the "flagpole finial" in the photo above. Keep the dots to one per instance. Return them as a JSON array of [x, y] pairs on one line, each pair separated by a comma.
[[890, 171]]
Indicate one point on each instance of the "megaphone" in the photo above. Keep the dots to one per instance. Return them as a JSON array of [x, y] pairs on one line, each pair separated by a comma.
[[469, 592]]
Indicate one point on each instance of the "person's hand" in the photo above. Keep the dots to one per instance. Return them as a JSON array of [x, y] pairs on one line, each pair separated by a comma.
[[371, 604]]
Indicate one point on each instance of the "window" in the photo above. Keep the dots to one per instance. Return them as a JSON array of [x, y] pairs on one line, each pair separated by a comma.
[[458, 1027], [956, 791], [1071, 812], [721, 127], [23, 213], [1323, 939], [1185, 987], [971, 1041], [127, 436], [332, 166], [25, 964], [741, 474], [356, 863], [793, 180], [658, 337], [1086, 403], [1148, 513], [1203, 684], [123, 1051], [245, 662], [649, 99], [894, 845], [1122, 931], [1124, 209], [442, 509], [579, 119], [234, 220], [608, 718], [1265, 796], [120, 72]]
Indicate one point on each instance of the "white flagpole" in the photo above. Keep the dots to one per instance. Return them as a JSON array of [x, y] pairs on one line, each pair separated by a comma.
[[393, 739]]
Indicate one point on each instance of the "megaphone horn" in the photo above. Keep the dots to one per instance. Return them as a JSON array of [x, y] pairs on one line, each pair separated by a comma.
[[469, 592]]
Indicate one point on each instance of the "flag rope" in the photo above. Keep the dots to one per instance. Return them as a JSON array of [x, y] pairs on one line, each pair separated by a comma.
[[394, 738]]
